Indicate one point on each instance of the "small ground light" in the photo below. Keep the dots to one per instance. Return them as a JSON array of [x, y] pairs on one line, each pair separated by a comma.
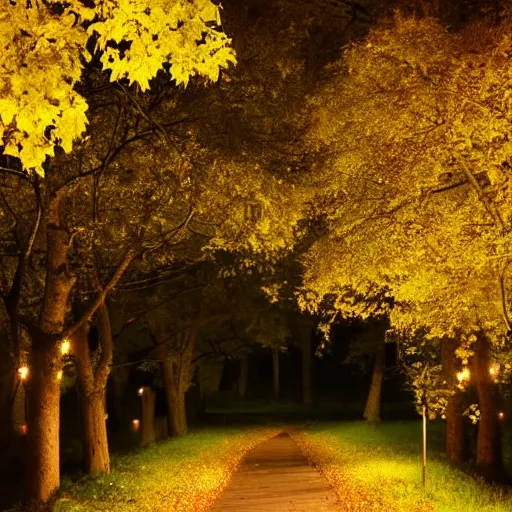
[[135, 425], [501, 415], [23, 371], [23, 430], [141, 391]]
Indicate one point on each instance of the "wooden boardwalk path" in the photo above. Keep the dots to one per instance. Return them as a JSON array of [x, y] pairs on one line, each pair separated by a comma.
[[276, 477]]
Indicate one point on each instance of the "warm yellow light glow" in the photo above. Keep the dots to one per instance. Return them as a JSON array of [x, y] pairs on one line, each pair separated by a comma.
[[23, 371], [494, 370], [23, 430], [59, 375], [64, 348], [135, 425], [141, 391], [463, 375], [501, 415]]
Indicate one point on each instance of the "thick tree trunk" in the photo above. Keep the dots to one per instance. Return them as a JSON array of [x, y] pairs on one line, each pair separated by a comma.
[[302, 330], [42, 469], [147, 434], [8, 379], [176, 375], [275, 366], [94, 440], [92, 407], [489, 459], [243, 375], [171, 388], [454, 418], [373, 402]]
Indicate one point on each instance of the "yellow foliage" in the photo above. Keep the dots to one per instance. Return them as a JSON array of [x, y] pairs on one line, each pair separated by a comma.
[[417, 121], [43, 54]]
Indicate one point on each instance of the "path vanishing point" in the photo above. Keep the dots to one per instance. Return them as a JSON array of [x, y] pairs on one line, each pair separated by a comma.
[[276, 477]]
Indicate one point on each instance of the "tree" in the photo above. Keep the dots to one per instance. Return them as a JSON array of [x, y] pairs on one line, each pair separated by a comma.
[[42, 109], [419, 203]]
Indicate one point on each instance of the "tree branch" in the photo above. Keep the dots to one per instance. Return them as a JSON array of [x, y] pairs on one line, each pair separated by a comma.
[[128, 258]]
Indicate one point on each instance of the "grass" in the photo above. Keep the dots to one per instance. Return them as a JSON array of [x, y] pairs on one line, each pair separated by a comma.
[[377, 468], [183, 474]]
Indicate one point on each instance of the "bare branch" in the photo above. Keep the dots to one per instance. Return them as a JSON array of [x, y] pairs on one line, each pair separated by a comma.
[[128, 258]]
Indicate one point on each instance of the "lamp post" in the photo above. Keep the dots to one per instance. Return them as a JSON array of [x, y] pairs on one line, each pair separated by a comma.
[[424, 457], [424, 413]]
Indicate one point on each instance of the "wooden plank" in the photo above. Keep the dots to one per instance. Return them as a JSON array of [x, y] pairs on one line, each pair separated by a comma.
[[276, 476]]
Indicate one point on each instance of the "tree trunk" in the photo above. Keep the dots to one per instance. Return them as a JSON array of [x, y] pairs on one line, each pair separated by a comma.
[[92, 405], [176, 375], [307, 376], [8, 378], [454, 418], [171, 388], [489, 460], [42, 467], [275, 366], [302, 330], [147, 434], [43, 409], [373, 402], [243, 375]]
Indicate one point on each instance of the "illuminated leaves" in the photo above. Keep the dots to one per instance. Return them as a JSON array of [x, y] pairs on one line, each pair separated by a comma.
[[183, 474], [137, 37], [417, 123], [40, 63], [43, 53]]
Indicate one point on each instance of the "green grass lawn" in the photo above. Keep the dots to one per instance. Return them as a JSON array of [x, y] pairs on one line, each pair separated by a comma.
[[377, 468], [179, 475]]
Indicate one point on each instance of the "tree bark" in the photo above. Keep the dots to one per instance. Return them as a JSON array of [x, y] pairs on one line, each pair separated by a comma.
[[243, 375], [302, 330], [489, 459], [147, 434], [8, 378], [176, 374], [307, 374], [43, 412], [92, 389], [454, 409], [275, 366], [373, 402], [45, 363]]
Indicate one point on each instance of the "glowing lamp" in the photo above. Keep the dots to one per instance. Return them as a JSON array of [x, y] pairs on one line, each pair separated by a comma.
[[23, 371], [64, 348], [135, 425], [463, 375], [501, 415], [141, 391], [23, 430]]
